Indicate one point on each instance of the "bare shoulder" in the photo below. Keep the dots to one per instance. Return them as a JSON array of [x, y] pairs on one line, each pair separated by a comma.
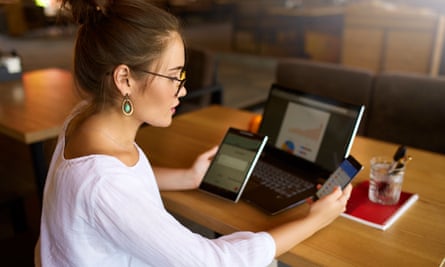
[[85, 142]]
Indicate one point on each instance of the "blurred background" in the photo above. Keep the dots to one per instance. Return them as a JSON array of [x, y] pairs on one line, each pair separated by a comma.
[[246, 38]]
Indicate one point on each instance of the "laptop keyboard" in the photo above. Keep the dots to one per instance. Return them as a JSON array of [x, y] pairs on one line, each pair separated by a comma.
[[282, 182]]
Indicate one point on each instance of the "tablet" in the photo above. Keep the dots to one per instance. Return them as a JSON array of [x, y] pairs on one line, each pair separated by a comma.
[[233, 163]]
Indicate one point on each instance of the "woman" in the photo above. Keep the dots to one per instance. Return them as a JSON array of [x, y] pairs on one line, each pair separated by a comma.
[[102, 205]]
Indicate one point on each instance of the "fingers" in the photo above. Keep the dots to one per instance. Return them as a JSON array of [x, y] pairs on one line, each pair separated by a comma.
[[309, 200], [348, 190], [336, 193], [341, 195], [346, 194], [213, 150], [210, 153]]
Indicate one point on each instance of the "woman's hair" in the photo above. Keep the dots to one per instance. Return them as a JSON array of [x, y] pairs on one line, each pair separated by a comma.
[[114, 32]]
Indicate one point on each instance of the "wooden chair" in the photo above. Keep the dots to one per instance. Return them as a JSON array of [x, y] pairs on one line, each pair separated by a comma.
[[408, 109], [346, 84], [202, 84]]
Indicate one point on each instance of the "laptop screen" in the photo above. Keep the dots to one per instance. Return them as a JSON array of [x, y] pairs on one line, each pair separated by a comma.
[[314, 128]]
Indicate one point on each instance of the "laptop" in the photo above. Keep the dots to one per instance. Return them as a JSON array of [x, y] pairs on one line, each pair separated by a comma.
[[309, 136]]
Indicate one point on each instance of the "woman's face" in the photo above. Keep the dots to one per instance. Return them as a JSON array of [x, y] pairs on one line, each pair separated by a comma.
[[156, 103]]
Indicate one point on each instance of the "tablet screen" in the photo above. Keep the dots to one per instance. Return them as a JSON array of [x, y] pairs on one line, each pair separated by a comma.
[[233, 163]]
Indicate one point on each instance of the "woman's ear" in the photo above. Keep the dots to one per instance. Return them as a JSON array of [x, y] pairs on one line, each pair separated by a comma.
[[121, 77]]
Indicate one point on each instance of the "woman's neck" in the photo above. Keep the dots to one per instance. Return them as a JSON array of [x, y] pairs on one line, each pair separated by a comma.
[[104, 133]]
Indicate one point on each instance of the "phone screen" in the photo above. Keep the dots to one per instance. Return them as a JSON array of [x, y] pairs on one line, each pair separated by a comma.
[[342, 176]]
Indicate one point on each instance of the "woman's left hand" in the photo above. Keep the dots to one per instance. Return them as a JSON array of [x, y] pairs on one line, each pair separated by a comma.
[[201, 165], [171, 179]]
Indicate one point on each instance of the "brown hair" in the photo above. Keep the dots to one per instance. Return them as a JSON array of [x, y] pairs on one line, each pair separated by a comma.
[[114, 32]]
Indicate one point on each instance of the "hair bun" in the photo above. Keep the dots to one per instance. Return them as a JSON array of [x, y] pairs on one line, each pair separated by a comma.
[[103, 5], [87, 11]]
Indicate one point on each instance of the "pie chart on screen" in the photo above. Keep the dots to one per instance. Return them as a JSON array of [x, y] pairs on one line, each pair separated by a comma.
[[288, 146]]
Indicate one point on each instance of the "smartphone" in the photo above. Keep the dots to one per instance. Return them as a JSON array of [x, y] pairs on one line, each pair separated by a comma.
[[342, 176], [233, 164]]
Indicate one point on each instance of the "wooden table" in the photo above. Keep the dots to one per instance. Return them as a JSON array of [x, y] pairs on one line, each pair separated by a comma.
[[416, 239], [32, 110]]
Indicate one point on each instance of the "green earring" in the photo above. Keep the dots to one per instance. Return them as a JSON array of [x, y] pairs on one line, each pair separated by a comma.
[[127, 106]]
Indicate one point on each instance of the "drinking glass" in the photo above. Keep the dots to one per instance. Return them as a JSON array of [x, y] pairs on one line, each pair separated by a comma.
[[386, 180]]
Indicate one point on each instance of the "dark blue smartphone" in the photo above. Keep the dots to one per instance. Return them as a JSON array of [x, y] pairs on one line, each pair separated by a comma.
[[342, 176]]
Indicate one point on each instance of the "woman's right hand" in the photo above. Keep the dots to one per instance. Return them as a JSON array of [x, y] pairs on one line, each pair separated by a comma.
[[321, 213], [326, 209]]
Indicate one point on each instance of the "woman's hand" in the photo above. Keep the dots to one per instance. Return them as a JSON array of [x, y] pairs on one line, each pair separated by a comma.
[[321, 213], [201, 164], [331, 206], [170, 179]]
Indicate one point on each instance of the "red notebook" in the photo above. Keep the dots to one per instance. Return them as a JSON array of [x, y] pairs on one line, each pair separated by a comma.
[[362, 210]]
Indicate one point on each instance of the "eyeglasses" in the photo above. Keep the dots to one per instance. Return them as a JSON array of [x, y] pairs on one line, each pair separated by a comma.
[[181, 81]]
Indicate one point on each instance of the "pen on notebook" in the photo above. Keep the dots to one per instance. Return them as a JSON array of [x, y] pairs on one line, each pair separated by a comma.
[[400, 154], [400, 165], [402, 162]]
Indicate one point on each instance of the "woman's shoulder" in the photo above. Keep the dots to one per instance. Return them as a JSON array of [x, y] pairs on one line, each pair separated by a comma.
[[84, 142]]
